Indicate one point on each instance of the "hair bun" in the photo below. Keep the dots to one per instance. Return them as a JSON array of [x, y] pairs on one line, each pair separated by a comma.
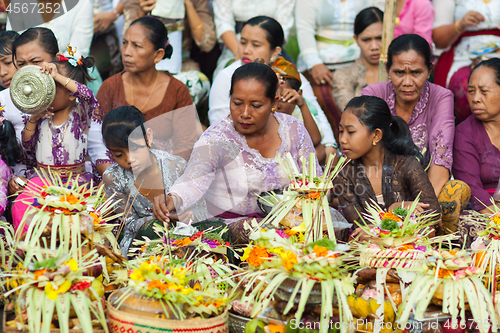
[[87, 62], [168, 51]]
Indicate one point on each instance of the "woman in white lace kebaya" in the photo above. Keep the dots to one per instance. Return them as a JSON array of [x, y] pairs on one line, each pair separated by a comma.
[[234, 160]]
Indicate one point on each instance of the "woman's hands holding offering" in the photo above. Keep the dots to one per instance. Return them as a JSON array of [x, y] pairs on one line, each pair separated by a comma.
[[360, 235]]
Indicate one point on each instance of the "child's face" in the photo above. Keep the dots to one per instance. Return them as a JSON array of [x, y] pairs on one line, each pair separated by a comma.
[[354, 137], [7, 70], [135, 158], [284, 107]]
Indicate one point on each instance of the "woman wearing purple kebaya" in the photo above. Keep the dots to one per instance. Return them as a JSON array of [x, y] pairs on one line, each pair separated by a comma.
[[477, 139], [428, 111]]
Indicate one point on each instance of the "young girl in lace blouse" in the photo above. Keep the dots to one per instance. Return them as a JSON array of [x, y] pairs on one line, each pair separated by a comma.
[[58, 138], [141, 174], [384, 164]]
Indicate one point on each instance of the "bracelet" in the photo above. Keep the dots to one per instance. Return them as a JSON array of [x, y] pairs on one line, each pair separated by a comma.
[[29, 130], [198, 27], [67, 82], [116, 13], [29, 121], [456, 26]]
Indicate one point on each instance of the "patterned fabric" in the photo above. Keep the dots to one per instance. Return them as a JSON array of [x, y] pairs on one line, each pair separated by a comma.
[[403, 178], [348, 82], [432, 123], [5, 174], [120, 182], [453, 198], [230, 175], [198, 84], [65, 144], [459, 87]]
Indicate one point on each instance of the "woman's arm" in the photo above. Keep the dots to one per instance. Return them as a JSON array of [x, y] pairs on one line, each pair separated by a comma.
[[438, 176], [419, 184], [225, 23], [203, 26], [446, 30], [345, 190], [305, 18]]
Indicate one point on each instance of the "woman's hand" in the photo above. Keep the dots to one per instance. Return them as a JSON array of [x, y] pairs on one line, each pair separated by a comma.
[[14, 187], [162, 206], [360, 235], [470, 19], [147, 5], [407, 204], [292, 96], [102, 21], [322, 75]]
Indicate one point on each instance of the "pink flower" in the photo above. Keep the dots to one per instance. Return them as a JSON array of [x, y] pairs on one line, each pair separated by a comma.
[[282, 234]]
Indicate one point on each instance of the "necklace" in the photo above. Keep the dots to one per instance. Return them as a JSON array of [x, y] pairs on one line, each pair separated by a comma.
[[152, 90], [145, 195], [49, 134]]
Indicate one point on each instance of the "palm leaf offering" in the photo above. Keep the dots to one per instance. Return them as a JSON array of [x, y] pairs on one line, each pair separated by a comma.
[[307, 194], [51, 282], [453, 283]]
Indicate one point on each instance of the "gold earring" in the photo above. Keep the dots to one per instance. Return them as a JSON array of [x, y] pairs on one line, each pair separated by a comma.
[[272, 110], [149, 144], [374, 143]]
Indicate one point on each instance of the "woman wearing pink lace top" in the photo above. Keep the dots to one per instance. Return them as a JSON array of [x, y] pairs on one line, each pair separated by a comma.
[[428, 110]]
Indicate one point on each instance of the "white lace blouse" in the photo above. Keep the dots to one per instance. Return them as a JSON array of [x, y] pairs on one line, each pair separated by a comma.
[[230, 175]]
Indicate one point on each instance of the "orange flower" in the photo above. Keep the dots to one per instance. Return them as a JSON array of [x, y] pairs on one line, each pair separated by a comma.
[[314, 195], [453, 252], [391, 216], [289, 259], [69, 198], [406, 247], [320, 251], [442, 273], [39, 273], [257, 256], [290, 232], [157, 284], [183, 242]]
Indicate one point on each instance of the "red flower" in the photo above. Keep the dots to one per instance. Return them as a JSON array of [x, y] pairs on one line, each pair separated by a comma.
[[81, 285], [385, 232]]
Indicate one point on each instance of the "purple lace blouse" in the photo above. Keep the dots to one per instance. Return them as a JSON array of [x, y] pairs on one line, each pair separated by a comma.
[[230, 175], [476, 161], [432, 123]]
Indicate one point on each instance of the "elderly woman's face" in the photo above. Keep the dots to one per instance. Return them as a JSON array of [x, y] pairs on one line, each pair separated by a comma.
[[138, 53], [484, 94], [408, 74], [31, 53], [250, 107], [254, 45]]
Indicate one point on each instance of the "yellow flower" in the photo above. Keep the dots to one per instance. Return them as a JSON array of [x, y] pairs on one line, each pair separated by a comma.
[[246, 253], [52, 292], [289, 259], [277, 250], [496, 218], [72, 264], [300, 228], [186, 291]]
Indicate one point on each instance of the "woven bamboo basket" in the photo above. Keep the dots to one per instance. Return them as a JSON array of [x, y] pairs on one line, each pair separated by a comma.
[[121, 321]]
